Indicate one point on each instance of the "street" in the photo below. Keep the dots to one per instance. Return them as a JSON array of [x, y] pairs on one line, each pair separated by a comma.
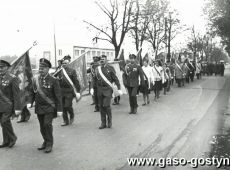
[[181, 124]]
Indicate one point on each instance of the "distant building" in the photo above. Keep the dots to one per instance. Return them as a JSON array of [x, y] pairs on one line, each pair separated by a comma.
[[93, 51]]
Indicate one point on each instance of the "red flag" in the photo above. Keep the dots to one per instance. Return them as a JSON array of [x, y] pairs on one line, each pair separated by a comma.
[[21, 68]]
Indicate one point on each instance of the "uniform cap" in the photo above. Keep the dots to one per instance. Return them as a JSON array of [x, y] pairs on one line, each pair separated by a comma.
[[103, 56], [132, 56], [44, 63], [67, 57], [4, 63]]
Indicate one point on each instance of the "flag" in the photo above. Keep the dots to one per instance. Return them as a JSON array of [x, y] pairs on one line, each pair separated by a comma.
[[117, 69], [21, 68], [146, 57], [139, 58], [80, 66], [122, 60]]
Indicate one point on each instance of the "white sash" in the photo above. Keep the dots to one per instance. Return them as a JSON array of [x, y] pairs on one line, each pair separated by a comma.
[[114, 87]]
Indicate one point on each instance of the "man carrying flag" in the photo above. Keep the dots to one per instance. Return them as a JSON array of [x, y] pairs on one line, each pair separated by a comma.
[[106, 75], [67, 77], [9, 102]]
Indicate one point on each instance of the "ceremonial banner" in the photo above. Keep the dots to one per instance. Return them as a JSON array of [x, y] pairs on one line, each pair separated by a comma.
[[139, 58], [80, 66], [116, 66], [122, 60], [21, 68]]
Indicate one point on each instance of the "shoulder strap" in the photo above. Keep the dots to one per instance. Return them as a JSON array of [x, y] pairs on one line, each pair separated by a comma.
[[179, 67], [43, 95], [157, 71]]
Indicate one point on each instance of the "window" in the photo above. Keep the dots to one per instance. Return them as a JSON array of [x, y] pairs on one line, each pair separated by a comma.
[[111, 54], [76, 52], [98, 53], [93, 53], [82, 51], [103, 53], [107, 53]]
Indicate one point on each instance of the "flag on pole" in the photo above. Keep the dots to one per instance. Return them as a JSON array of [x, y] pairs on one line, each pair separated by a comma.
[[118, 71], [122, 60], [80, 66], [21, 68], [139, 58]]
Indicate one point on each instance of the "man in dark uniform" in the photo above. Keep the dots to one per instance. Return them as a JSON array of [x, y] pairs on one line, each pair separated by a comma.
[[9, 102], [105, 91], [133, 71], [68, 92], [94, 65], [47, 95], [222, 68]]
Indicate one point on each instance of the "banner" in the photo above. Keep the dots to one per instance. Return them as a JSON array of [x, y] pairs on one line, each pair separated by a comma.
[[21, 68], [119, 73], [80, 66]]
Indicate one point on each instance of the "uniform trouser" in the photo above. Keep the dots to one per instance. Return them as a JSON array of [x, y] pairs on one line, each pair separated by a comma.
[[25, 115], [67, 108], [179, 81], [96, 98], [7, 128], [46, 128], [117, 99], [105, 109], [191, 76], [187, 79], [132, 97]]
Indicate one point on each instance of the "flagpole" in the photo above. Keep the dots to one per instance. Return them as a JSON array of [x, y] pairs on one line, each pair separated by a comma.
[[55, 49], [34, 44]]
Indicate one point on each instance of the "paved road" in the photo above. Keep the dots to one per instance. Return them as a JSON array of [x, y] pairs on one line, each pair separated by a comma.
[[180, 124]]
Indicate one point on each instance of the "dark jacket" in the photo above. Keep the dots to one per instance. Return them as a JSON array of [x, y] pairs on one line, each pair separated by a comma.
[[64, 84], [9, 93], [133, 72], [51, 101], [102, 86]]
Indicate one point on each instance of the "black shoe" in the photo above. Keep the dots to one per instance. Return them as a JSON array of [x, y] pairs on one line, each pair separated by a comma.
[[102, 127], [48, 149], [114, 103], [96, 110], [135, 111], [71, 121], [64, 124], [11, 144], [4, 145], [20, 121], [148, 102], [143, 104], [109, 125], [42, 147]]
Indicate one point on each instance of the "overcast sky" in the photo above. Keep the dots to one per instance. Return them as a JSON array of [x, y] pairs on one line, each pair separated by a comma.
[[23, 21]]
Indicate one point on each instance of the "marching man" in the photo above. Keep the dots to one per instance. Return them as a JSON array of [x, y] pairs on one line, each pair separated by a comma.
[[105, 75]]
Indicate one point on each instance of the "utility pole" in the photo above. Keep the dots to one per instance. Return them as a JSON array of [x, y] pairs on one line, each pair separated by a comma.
[[55, 51]]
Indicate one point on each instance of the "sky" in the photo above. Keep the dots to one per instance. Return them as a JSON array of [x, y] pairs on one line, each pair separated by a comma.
[[24, 21]]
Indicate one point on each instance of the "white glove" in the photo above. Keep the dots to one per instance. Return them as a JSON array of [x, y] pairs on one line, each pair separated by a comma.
[[78, 96], [28, 105], [17, 112], [59, 114], [120, 92], [92, 91]]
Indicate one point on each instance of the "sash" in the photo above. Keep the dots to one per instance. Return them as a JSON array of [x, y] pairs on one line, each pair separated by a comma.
[[191, 64], [157, 71], [187, 66], [43, 95], [7, 100], [197, 67], [179, 68], [69, 80], [114, 87]]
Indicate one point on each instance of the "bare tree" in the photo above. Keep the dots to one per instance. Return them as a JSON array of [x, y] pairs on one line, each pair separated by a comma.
[[116, 30]]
